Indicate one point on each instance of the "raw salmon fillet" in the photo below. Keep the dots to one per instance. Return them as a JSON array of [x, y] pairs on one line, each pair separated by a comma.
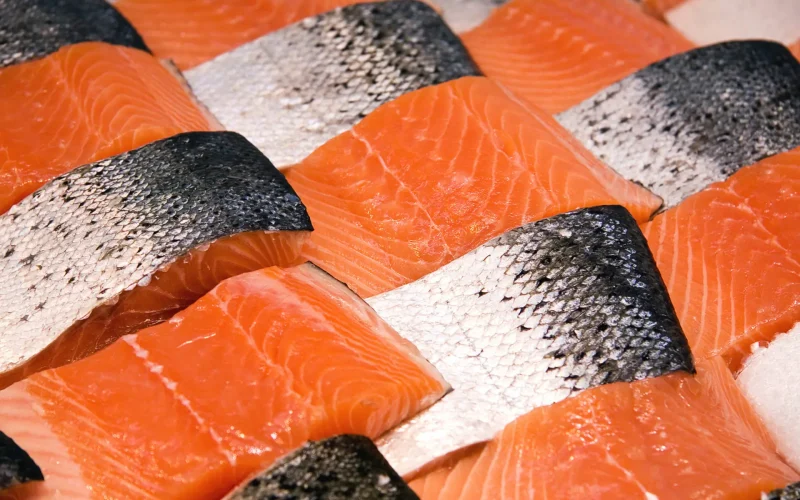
[[556, 53], [676, 436], [190, 408], [84, 103], [729, 257], [191, 32], [432, 175], [660, 7]]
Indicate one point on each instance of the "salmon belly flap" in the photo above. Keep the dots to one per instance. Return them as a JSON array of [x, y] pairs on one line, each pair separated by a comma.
[[191, 407], [437, 172], [81, 104]]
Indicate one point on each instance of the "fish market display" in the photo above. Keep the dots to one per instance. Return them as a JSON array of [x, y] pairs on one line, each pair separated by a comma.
[[729, 258], [32, 29], [676, 436], [528, 319], [190, 408], [434, 174], [191, 32], [557, 53], [711, 21], [16, 466], [346, 467], [292, 90], [683, 123], [463, 15], [769, 381], [81, 104], [83, 241]]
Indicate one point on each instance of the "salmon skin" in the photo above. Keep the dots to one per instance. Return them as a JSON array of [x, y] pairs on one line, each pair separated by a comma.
[[463, 15], [291, 91], [673, 437], [346, 467], [531, 318], [683, 123], [104, 228], [191, 408], [31, 29], [791, 492], [16, 466]]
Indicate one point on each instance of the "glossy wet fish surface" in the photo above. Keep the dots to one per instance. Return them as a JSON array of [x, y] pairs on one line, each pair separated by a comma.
[[292, 90], [16, 466], [88, 235], [30, 29], [694, 118], [791, 492], [528, 319], [346, 467], [463, 15]]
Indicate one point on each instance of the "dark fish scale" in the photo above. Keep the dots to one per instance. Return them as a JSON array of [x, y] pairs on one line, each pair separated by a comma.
[[150, 207], [791, 492], [346, 467], [530, 318], [30, 29], [16, 466], [695, 118], [292, 90]]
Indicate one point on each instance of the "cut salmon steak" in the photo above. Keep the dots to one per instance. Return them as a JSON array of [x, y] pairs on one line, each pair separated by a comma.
[[729, 257], [676, 436], [191, 32], [84, 103], [437, 172], [188, 409], [556, 53], [121, 244]]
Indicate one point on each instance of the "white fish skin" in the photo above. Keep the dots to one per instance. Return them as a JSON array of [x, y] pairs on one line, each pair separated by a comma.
[[528, 319], [695, 118], [291, 91], [463, 15]]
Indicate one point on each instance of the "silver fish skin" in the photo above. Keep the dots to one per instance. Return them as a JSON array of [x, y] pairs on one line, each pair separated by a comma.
[[463, 15], [31, 29], [16, 466], [791, 492], [695, 118], [345, 467], [91, 234], [528, 319], [291, 91]]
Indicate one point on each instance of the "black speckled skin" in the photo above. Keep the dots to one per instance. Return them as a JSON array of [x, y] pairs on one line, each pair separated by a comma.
[[791, 492], [87, 236], [30, 29], [528, 319], [346, 467], [683, 123], [16, 466]]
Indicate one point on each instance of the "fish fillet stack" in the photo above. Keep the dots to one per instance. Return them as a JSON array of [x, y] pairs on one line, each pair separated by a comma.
[[399, 249]]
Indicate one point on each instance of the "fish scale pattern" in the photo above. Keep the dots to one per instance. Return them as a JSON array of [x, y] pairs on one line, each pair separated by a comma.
[[528, 319], [317, 78], [30, 29], [696, 118], [103, 228]]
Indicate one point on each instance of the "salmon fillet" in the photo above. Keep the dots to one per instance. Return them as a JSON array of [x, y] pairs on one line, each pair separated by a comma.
[[432, 175], [729, 258], [676, 436], [190, 408], [556, 53], [191, 32], [81, 104]]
